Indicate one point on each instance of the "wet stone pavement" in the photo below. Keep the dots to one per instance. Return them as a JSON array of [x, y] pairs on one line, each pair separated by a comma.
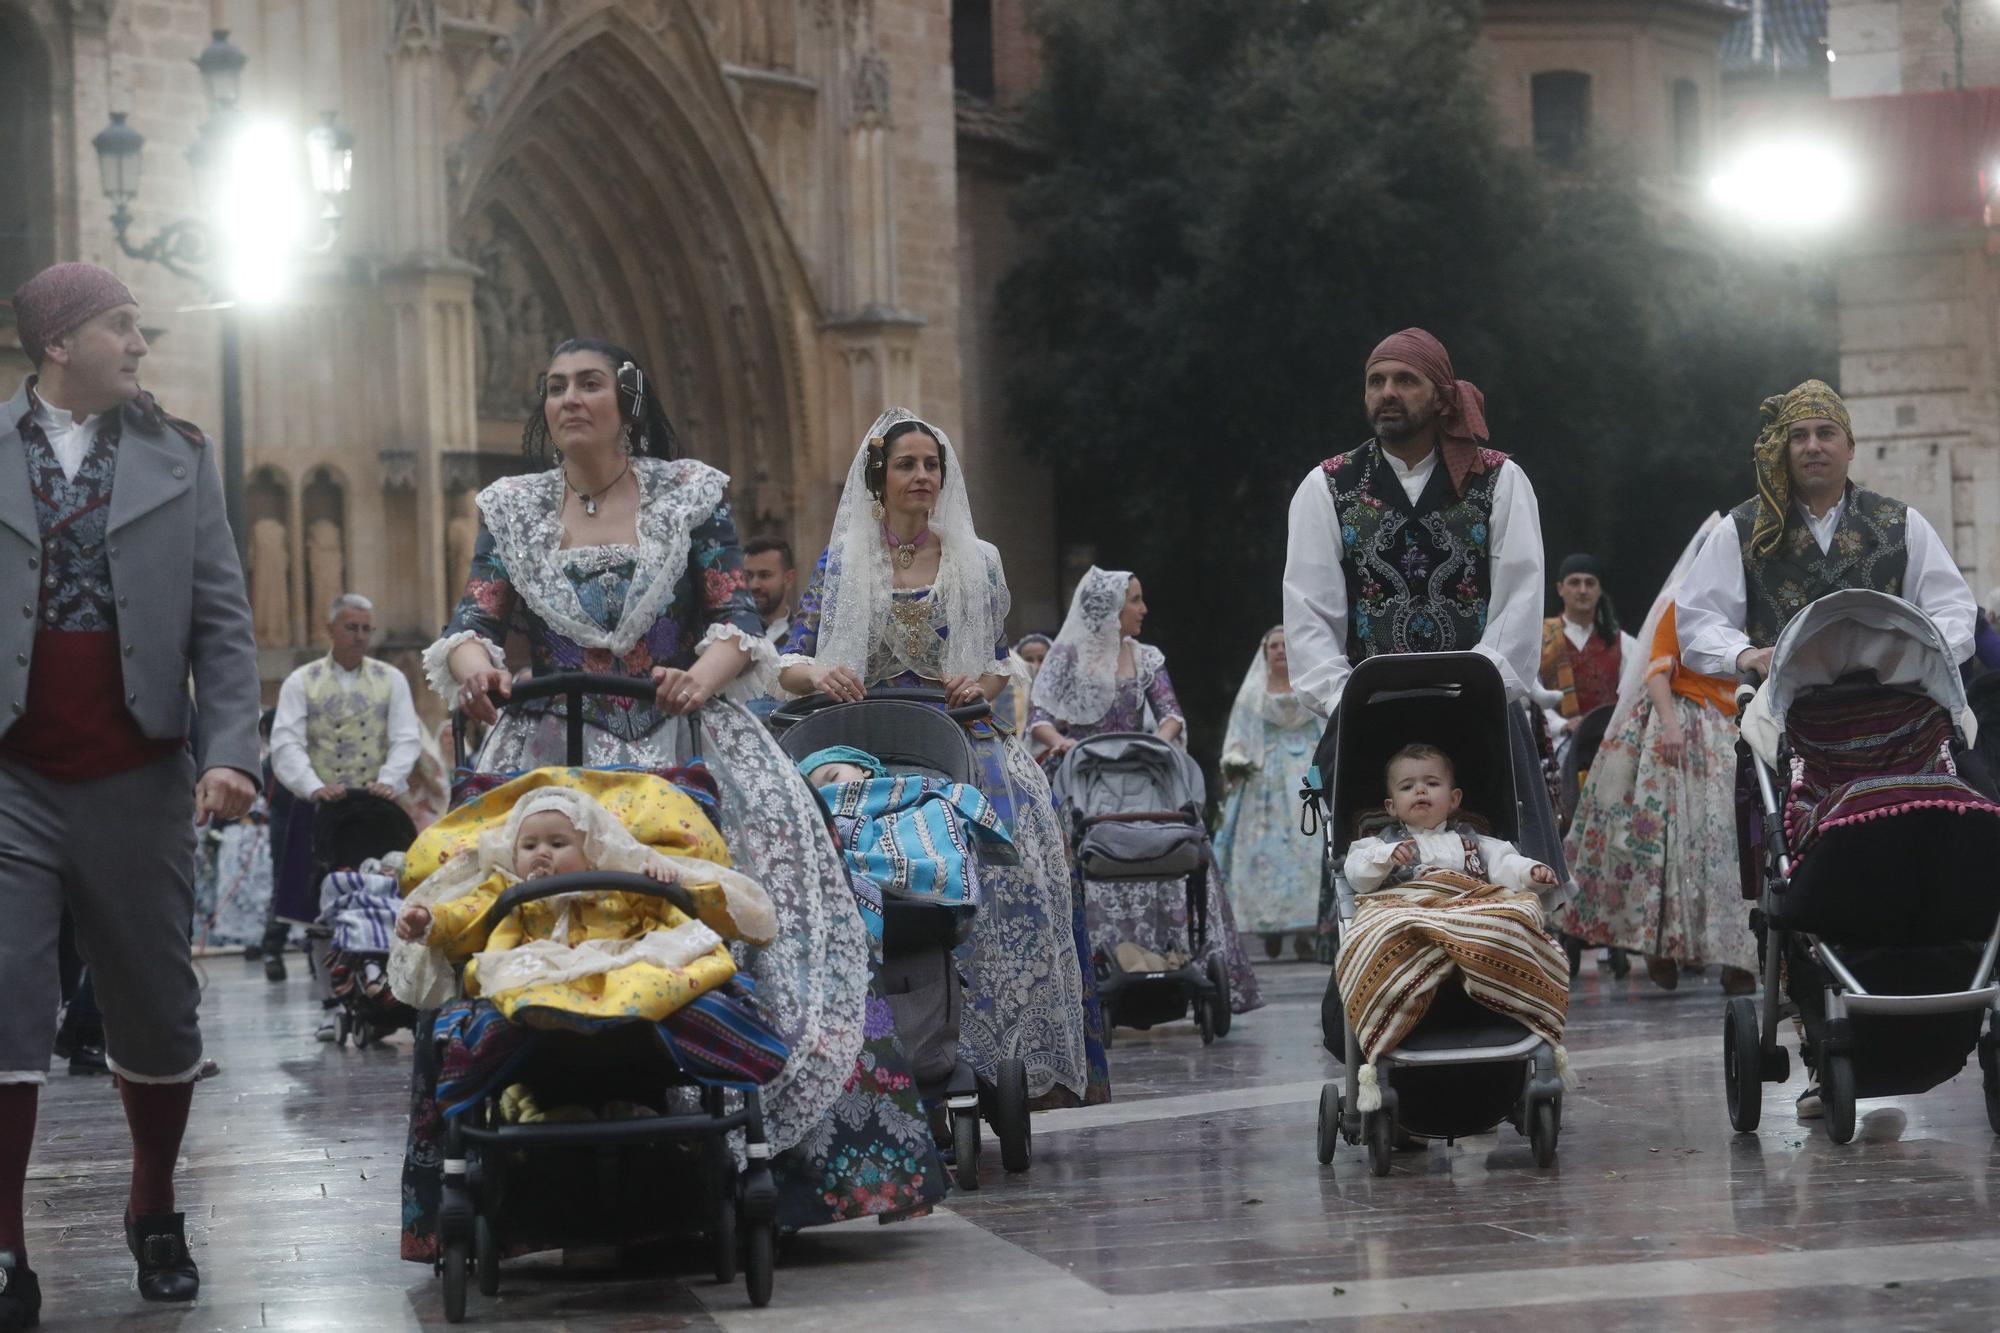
[[1194, 1200]]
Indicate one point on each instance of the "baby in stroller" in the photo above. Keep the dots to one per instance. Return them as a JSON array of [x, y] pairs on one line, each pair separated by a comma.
[[586, 955], [1436, 897], [357, 918]]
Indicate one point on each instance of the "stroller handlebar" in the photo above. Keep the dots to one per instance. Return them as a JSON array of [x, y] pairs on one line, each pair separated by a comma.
[[533, 890], [572, 685], [807, 704]]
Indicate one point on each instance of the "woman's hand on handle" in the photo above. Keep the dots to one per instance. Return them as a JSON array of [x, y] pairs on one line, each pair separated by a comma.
[[837, 682], [962, 690], [677, 692], [477, 686]]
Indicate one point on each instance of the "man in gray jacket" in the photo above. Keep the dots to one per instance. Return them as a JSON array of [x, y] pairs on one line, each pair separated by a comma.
[[114, 546]]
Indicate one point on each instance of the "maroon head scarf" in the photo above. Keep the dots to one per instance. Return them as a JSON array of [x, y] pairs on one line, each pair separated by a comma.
[[59, 299], [1462, 408]]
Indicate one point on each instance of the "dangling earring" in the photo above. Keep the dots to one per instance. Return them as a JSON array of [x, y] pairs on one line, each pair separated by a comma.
[[560, 460], [881, 514], [625, 438]]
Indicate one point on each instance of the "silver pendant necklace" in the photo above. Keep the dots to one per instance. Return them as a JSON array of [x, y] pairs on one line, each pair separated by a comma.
[[590, 501]]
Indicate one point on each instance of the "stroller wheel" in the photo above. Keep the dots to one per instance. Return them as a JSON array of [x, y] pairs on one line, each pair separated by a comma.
[[1329, 1122], [760, 1260], [1204, 1018], [1381, 1130], [455, 1263], [1010, 1114], [726, 1239], [1742, 1064], [1542, 1131], [1993, 1103], [1836, 1090], [485, 1256], [965, 1148], [343, 1027], [1218, 1009], [363, 1034]]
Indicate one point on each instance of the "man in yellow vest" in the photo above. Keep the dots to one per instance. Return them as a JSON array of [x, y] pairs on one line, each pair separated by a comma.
[[345, 724]]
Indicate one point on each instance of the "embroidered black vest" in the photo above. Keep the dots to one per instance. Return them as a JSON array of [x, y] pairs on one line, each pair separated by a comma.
[[1870, 549], [1418, 576], [74, 516]]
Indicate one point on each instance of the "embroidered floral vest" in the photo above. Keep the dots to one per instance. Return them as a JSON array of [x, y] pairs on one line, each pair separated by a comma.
[[1418, 576], [1588, 676], [347, 721], [1870, 549]]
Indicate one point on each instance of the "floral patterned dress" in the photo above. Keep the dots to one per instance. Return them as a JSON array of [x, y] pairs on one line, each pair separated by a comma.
[[1653, 844], [1030, 989], [1153, 915], [1272, 868], [843, 1118]]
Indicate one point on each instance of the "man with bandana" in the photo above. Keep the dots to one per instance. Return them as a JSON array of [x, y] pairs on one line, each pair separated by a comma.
[[1421, 540], [114, 546], [1807, 532], [1583, 650]]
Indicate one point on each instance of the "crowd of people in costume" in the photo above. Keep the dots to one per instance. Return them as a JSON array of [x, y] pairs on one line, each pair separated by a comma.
[[617, 555]]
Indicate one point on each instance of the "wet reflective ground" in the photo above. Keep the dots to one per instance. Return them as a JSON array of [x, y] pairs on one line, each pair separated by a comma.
[[1193, 1200]]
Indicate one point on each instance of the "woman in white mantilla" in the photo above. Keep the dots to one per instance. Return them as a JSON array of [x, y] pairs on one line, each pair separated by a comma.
[[1272, 868], [907, 594], [1099, 678], [620, 558]]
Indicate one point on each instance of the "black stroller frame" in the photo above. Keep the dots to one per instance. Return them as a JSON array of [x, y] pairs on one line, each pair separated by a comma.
[[1458, 701], [1751, 1055], [1146, 999], [910, 731], [481, 1152]]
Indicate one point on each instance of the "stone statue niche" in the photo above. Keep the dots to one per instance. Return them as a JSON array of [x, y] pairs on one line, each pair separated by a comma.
[[324, 508], [270, 560]]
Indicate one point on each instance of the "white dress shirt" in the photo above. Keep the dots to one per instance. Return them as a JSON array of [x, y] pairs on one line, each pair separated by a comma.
[[70, 436], [290, 761], [1369, 860], [1316, 586], [1713, 604], [777, 631]]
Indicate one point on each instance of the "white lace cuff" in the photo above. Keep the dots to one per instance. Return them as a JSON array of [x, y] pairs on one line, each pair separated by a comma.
[[760, 676], [786, 661], [437, 662]]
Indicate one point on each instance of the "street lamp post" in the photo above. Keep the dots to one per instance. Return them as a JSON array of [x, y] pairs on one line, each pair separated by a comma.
[[199, 248]]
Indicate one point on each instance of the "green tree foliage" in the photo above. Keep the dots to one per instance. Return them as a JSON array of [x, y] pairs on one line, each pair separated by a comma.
[[1241, 197]]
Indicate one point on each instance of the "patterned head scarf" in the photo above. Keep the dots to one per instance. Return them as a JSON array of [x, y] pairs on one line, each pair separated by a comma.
[[1461, 409], [61, 298], [1079, 678], [1782, 411]]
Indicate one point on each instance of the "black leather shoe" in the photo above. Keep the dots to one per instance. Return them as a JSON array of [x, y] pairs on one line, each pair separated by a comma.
[[274, 967], [87, 1057], [20, 1294], [159, 1243]]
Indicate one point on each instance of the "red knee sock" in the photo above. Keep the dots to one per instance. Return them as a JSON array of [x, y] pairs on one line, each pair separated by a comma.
[[157, 1114], [17, 1137]]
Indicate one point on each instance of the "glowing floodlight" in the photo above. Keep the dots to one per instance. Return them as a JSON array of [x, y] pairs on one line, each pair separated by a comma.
[[1788, 185]]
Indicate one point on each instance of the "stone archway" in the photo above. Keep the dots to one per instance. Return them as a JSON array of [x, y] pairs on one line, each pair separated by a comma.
[[611, 190]]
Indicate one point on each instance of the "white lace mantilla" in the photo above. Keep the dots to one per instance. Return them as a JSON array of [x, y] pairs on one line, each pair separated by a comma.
[[524, 516]]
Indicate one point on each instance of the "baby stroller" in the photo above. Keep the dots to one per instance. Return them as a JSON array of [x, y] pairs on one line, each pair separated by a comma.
[[350, 939], [1873, 865], [1134, 804], [1463, 1069], [905, 729], [497, 1174], [358, 916]]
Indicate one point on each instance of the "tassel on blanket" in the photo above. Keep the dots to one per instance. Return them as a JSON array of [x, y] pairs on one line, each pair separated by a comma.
[[1569, 1079], [1369, 1096]]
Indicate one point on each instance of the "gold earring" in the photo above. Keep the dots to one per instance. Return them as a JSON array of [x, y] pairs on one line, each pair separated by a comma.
[[881, 514]]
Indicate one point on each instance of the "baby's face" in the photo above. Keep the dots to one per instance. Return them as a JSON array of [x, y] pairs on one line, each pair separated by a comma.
[[826, 775], [548, 844], [1420, 792]]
